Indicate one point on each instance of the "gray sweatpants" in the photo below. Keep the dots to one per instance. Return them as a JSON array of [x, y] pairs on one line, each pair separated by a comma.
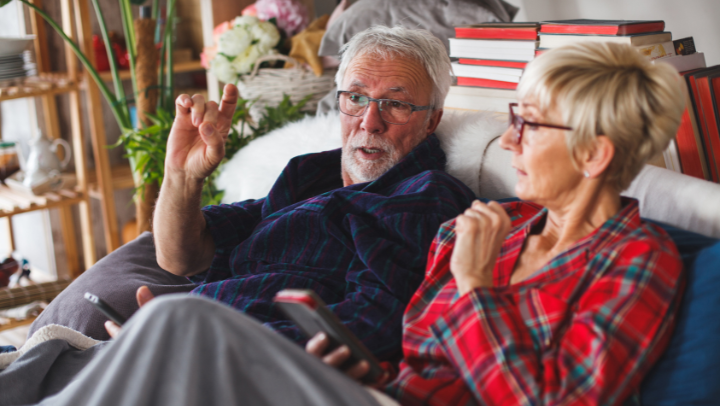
[[181, 350]]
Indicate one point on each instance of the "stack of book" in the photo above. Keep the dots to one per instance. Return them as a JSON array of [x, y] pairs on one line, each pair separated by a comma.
[[648, 36], [491, 59]]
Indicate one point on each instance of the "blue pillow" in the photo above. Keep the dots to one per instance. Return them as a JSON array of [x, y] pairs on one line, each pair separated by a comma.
[[689, 371]]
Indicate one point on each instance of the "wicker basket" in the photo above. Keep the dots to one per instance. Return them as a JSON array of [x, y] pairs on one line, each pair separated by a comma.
[[268, 85]]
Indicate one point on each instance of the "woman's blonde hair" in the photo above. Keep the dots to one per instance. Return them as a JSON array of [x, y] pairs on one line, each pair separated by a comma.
[[612, 90]]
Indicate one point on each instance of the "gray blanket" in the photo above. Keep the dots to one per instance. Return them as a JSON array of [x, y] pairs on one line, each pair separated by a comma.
[[43, 370], [178, 350]]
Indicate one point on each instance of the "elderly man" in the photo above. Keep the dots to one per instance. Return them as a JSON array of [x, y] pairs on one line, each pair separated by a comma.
[[354, 225]]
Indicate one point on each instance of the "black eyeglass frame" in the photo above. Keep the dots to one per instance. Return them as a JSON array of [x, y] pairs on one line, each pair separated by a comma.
[[413, 108], [516, 120]]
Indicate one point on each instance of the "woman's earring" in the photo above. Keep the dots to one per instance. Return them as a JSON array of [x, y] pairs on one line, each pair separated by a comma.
[[586, 173]]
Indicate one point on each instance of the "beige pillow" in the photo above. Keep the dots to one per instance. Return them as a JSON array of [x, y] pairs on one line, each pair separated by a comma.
[[438, 17]]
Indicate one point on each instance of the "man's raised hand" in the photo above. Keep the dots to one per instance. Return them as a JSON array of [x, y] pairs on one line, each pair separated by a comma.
[[196, 144]]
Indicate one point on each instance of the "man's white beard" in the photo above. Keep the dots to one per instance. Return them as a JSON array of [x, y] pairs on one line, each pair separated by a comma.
[[363, 170]]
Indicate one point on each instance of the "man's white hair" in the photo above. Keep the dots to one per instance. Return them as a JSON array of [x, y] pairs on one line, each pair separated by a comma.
[[385, 43]]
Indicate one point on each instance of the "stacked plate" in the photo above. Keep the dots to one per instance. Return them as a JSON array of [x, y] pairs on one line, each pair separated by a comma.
[[15, 61]]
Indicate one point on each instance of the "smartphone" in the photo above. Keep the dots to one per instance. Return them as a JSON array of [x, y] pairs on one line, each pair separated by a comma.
[[309, 312], [105, 308]]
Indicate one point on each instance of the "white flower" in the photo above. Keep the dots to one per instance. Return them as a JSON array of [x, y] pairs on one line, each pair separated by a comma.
[[245, 21], [234, 41], [244, 63], [266, 35], [221, 67]]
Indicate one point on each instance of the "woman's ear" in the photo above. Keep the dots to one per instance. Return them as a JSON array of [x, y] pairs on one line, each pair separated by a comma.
[[599, 158]]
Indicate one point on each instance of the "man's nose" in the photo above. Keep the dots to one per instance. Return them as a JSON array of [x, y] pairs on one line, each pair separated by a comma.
[[372, 121]]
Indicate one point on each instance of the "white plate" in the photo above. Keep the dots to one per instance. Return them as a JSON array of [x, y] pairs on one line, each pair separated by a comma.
[[14, 45]]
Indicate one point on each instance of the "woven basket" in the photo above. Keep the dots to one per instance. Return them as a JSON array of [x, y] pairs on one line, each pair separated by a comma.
[[268, 85]]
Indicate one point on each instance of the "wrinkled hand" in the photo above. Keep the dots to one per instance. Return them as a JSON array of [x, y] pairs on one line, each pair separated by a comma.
[[480, 232], [143, 295], [196, 144], [318, 346]]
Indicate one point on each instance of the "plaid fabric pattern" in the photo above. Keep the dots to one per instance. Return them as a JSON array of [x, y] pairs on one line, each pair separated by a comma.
[[583, 330], [361, 248]]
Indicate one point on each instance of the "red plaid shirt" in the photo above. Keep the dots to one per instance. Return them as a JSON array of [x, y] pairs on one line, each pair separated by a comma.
[[583, 330]]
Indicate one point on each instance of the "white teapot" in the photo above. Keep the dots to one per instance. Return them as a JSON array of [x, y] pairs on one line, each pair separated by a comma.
[[42, 166]]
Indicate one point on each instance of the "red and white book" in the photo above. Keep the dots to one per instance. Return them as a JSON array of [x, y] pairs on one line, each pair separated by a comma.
[[505, 50], [558, 40], [491, 62], [493, 84], [517, 31], [487, 72], [601, 27]]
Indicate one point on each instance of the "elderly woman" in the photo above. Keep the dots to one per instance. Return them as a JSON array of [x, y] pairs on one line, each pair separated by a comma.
[[566, 297]]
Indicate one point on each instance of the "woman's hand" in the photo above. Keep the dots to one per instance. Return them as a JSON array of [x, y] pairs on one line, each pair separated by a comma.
[[318, 346], [196, 144], [143, 295], [480, 232]]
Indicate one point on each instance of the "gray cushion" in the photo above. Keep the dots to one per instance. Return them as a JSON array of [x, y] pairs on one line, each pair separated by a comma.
[[114, 279], [438, 17]]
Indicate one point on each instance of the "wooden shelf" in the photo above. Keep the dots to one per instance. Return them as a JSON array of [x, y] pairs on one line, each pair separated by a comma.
[[36, 86], [121, 179], [14, 201], [190, 66], [16, 323]]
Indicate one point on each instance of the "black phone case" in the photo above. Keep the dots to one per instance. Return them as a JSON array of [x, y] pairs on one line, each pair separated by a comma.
[[105, 308], [312, 321]]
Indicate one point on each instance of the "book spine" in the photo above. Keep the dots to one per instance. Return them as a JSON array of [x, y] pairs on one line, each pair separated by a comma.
[[701, 127], [710, 123], [655, 51], [494, 84], [626, 29], [579, 29], [690, 156], [684, 46], [495, 33], [488, 62]]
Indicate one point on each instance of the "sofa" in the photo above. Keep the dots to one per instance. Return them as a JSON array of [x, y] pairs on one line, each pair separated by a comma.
[[688, 208]]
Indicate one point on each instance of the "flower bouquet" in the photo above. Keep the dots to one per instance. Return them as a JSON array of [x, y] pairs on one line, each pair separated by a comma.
[[240, 44]]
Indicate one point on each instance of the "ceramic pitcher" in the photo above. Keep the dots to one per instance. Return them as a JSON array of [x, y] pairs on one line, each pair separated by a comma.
[[42, 166]]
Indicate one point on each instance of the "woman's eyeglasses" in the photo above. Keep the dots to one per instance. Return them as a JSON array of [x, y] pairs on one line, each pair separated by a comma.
[[518, 124]]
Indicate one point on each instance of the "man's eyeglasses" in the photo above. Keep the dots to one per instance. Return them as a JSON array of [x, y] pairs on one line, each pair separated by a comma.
[[391, 111], [518, 124]]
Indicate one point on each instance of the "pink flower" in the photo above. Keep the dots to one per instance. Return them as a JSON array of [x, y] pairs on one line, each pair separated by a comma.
[[217, 32], [292, 17], [207, 55], [250, 10]]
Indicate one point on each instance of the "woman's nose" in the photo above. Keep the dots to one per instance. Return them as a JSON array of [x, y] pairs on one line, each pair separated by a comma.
[[508, 140]]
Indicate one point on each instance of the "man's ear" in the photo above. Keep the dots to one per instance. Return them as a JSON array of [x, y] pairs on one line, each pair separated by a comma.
[[434, 121], [599, 158]]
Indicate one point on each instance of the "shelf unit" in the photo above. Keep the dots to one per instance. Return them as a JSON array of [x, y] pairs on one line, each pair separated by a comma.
[[14, 202]]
